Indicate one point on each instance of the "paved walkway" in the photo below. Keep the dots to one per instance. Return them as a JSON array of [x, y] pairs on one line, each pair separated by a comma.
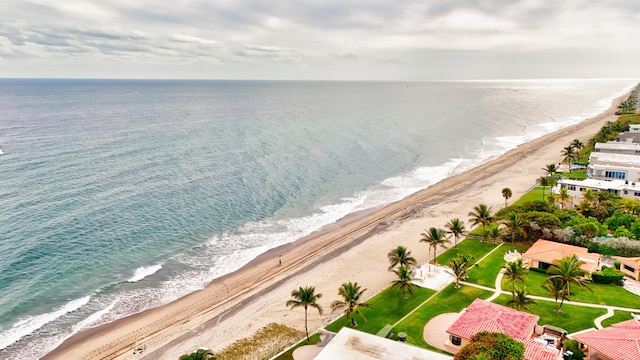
[[435, 331], [306, 352], [498, 285], [598, 320]]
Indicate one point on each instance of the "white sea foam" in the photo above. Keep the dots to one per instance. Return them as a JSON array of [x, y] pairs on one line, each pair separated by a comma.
[[30, 324], [144, 271], [92, 319]]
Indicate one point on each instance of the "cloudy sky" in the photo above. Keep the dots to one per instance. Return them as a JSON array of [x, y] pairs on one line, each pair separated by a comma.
[[320, 39]]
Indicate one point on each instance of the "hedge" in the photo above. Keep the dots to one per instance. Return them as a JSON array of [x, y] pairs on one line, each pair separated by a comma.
[[607, 276]]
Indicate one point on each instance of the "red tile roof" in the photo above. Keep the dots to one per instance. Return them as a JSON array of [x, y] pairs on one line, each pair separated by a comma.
[[534, 350], [548, 251], [619, 341], [486, 316]]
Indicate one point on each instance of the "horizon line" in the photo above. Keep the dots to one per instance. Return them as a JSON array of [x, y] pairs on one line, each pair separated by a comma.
[[318, 80]]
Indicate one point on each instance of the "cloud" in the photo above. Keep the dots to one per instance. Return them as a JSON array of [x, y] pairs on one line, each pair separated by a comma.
[[321, 36]]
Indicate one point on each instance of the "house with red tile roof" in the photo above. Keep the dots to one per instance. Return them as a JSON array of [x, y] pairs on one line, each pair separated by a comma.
[[483, 315], [619, 341], [543, 252]]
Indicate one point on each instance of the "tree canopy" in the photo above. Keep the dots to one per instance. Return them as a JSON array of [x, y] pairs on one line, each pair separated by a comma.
[[496, 346]]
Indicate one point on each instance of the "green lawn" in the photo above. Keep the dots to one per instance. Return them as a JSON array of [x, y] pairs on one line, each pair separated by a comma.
[[534, 194], [447, 300], [609, 294], [475, 248], [288, 355], [388, 308], [485, 272], [618, 316], [573, 317], [577, 175]]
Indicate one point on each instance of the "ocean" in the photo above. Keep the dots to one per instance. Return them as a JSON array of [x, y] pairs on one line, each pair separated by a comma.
[[121, 195]]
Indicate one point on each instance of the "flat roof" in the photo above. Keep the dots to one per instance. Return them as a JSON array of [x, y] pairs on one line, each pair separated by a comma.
[[602, 184], [350, 344], [618, 145], [599, 158]]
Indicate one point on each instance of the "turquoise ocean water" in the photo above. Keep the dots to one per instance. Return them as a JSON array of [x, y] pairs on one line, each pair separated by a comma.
[[121, 195]]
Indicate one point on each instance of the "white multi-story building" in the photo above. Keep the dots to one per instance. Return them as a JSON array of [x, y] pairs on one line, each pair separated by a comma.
[[614, 166], [618, 147], [575, 188]]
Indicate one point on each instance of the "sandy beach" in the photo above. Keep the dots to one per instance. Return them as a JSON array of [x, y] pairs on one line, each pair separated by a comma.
[[354, 249]]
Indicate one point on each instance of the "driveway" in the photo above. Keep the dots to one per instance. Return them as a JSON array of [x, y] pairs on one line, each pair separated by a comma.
[[435, 332]]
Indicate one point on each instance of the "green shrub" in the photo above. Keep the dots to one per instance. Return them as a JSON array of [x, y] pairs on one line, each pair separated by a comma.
[[617, 264], [607, 276]]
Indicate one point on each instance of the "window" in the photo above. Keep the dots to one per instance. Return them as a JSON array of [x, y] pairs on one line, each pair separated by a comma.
[[455, 340], [629, 268], [637, 193], [571, 187], [626, 192], [582, 189], [615, 174]]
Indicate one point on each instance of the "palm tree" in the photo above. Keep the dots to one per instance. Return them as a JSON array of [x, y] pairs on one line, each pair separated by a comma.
[[305, 297], [351, 293], [515, 270], [568, 270], [628, 206], [435, 237], [514, 226], [200, 354], [544, 182], [460, 266], [590, 196], [564, 196], [569, 155], [520, 300], [481, 215], [456, 228], [550, 169], [403, 282], [401, 256], [577, 145], [494, 232], [555, 288], [506, 194]]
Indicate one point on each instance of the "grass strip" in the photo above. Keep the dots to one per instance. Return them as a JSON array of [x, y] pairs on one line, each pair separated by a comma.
[[618, 316], [603, 294], [388, 308], [475, 248], [573, 317]]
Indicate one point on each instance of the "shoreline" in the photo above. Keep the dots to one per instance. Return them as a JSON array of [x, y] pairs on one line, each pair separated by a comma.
[[249, 298]]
